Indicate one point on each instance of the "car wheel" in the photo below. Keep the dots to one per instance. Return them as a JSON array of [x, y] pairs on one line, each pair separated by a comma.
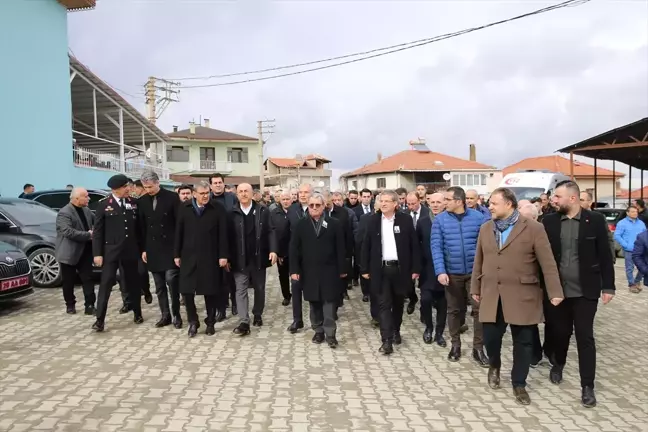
[[45, 269]]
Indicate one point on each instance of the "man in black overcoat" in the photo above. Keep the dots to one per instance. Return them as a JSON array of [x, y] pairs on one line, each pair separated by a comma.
[[317, 261], [201, 250], [367, 295], [281, 226], [158, 209], [390, 260], [116, 244]]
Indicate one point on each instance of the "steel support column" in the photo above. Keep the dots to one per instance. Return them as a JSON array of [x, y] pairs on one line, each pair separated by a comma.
[[629, 184], [595, 182], [642, 186], [94, 111], [614, 189], [122, 157], [571, 165]]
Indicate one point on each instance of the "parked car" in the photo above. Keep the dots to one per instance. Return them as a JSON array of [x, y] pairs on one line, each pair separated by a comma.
[[31, 227], [613, 216], [56, 199], [15, 273]]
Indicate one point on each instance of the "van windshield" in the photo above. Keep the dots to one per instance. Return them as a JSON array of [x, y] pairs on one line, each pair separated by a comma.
[[527, 193]]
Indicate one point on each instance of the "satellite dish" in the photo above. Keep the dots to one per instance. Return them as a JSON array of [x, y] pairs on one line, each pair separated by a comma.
[[321, 184], [447, 176]]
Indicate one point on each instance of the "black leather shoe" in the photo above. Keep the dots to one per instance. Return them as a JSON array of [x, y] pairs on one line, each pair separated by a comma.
[[164, 321], [124, 309], [387, 348], [397, 338], [234, 310], [210, 330], [455, 353], [521, 396], [71, 310], [148, 298], [318, 338], [98, 326], [480, 357], [493, 378], [90, 310], [332, 342], [355, 282], [138, 319], [193, 330], [440, 340], [427, 335], [258, 321], [295, 326], [411, 306], [463, 329], [365, 298], [221, 316], [588, 399], [285, 302], [177, 322], [242, 329], [556, 374]]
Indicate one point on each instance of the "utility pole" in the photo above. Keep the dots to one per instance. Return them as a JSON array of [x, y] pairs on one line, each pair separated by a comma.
[[263, 127], [156, 104]]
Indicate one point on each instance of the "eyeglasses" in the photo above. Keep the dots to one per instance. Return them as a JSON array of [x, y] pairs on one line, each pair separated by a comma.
[[202, 193], [314, 206]]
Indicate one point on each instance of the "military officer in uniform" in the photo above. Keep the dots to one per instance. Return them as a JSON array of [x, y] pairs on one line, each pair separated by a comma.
[[116, 243]]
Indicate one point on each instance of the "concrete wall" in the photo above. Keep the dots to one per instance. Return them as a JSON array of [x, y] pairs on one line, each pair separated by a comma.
[[249, 169], [36, 103], [604, 187]]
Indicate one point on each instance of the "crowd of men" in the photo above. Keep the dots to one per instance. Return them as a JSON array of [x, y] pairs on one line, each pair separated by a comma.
[[498, 262]]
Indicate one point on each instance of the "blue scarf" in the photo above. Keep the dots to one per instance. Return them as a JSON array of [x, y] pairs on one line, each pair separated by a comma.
[[502, 225], [198, 210]]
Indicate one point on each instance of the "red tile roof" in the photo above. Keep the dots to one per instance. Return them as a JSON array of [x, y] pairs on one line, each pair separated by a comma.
[[415, 160], [636, 194], [559, 164]]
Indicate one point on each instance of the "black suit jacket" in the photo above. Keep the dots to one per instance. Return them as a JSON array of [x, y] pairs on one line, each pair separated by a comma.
[[594, 254], [281, 226], [158, 229], [359, 210], [428, 279], [115, 235], [407, 246], [341, 214]]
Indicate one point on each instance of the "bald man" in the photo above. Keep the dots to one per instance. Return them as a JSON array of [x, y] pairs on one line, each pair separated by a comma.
[[529, 210], [253, 248], [472, 201], [522, 203], [74, 224]]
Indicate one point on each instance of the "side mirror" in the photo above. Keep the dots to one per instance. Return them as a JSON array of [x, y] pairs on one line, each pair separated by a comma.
[[5, 226]]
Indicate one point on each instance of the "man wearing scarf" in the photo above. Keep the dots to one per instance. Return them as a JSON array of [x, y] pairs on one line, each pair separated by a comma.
[[505, 282], [317, 262]]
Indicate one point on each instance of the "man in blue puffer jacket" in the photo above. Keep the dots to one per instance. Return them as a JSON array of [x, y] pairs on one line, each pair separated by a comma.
[[640, 257], [453, 243], [627, 230]]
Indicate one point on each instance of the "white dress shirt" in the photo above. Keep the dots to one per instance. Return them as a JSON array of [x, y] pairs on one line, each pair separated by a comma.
[[247, 209], [365, 209], [389, 251]]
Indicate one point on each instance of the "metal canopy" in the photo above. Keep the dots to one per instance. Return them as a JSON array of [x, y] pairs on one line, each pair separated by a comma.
[[98, 111], [626, 144]]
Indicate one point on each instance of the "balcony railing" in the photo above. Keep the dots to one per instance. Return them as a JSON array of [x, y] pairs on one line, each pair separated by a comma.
[[215, 166], [132, 166]]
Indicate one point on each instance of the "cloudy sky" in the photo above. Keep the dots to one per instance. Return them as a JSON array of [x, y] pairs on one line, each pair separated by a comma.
[[521, 89]]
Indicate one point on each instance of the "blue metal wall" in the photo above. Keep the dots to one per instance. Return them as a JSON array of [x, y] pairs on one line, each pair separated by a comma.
[[35, 108]]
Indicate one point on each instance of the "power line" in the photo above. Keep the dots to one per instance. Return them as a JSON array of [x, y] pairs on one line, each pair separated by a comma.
[[378, 52]]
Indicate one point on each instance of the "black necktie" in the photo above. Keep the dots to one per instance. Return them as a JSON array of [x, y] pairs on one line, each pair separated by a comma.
[[121, 203], [414, 213]]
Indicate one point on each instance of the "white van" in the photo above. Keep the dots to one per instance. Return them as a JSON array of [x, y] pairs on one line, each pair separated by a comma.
[[532, 183]]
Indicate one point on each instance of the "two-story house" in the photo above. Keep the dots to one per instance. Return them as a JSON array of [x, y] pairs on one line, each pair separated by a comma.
[[195, 153], [289, 173]]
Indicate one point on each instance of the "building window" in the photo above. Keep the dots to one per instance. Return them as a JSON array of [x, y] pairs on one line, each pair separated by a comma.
[[381, 182], [484, 179], [354, 184], [469, 180], [237, 155], [207, 154], [177, 154]]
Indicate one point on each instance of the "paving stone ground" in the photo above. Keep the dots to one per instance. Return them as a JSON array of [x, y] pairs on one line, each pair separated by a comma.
[[57, 375]]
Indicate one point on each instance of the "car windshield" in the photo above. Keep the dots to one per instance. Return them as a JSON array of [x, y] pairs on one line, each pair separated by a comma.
[[611, 216], [527, 193], [29, 213]]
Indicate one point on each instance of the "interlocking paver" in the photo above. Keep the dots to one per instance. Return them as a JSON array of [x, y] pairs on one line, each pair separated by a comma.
[[57, 375]]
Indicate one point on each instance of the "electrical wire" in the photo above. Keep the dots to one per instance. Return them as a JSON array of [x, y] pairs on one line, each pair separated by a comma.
[[378, 52]]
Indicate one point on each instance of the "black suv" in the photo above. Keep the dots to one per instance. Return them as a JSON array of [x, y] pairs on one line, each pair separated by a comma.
[[56, 199], [15, 273]]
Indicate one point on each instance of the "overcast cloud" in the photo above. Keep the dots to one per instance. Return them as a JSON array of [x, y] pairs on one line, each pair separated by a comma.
[[517, 90]]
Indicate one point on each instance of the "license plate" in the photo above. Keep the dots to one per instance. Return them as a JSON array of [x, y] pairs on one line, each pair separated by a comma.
[[14, 283]]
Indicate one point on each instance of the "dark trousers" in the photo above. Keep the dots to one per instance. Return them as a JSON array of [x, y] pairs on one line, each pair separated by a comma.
[[168, 283], [437, 300], [142, 280], [297, 300], [390, 302], [411, 295], [284, 278], [522, 346], [356, 270], [322, 317], [129, 277], [211, 303], [228, 293], [458, 295], [84, 270], [545, 348], [576, 313]]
